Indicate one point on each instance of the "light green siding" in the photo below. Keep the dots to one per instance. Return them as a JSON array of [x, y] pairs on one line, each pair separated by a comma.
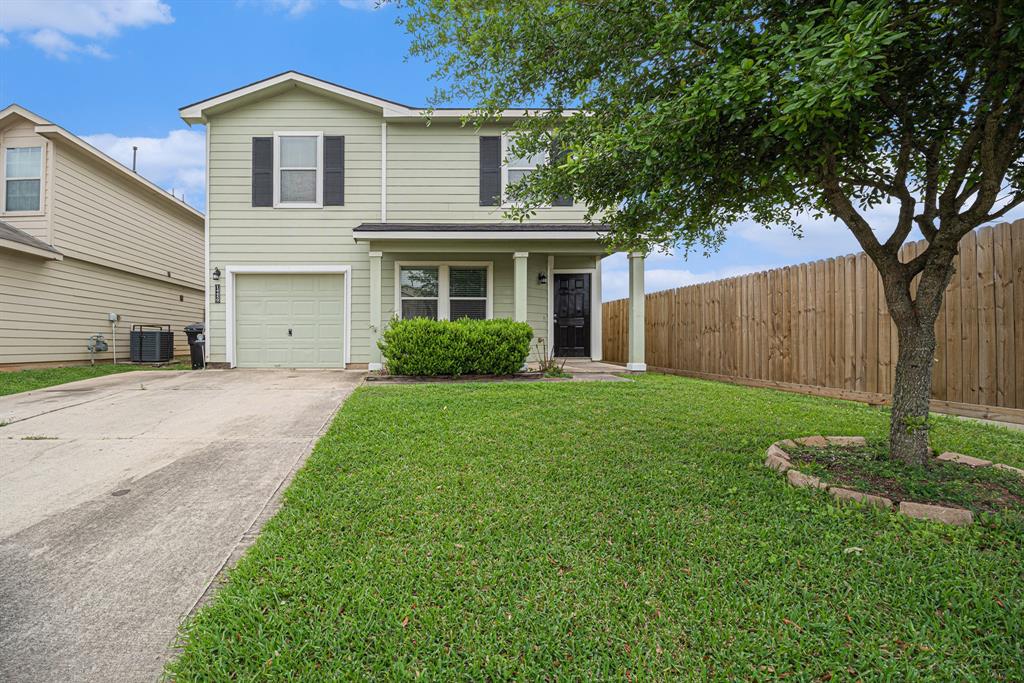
[[432, 176], [243, 235]]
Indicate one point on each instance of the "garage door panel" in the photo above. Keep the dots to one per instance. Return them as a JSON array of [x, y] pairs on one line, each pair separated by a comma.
[[310, 305], [304, 307], [332, 308], [328, 330], [249, 307]]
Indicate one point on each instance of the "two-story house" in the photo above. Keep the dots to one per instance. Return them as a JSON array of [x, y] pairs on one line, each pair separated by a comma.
[[84, 239], [330, 211]]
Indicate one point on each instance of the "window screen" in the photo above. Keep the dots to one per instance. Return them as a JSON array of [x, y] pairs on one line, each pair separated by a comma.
[[467, 293]]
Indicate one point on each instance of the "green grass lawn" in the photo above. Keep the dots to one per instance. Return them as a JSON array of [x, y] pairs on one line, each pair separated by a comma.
[[29, 380], [606, 531]]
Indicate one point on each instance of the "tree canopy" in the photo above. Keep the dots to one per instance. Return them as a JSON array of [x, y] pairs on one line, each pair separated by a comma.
[[700, 114]]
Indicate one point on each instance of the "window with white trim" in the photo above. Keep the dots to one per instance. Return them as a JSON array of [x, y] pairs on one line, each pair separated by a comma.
[[420, 290], [23, 178], [467, 292], [444, 291], [516, 168], [298, 169]]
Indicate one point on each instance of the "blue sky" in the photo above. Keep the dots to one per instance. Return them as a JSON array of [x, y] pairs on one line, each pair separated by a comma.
[[117, 72]]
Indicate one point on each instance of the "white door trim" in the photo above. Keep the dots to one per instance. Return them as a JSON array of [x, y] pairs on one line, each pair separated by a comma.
[[595, 308], [229, 334]]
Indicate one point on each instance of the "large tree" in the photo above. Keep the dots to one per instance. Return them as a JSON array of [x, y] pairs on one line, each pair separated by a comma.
[[697, 114]]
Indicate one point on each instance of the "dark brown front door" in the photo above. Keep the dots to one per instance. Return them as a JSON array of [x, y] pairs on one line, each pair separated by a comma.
[[572, 315]]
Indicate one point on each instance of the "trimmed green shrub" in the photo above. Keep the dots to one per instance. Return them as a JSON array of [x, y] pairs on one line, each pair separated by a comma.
[[421, 346]]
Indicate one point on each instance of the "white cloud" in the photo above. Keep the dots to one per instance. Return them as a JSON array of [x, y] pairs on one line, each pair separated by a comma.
[[4, 40], [53, 28], [293, 8], [360, 4], [660, 273], [175, 161]]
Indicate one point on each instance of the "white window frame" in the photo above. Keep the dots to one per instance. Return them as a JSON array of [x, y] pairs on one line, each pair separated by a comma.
[[443, 295], [41, 178], [440, 283], [505, 167], [319, 203]]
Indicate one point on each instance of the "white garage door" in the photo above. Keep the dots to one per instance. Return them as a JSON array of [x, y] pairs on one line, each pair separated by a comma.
[[290, 321]]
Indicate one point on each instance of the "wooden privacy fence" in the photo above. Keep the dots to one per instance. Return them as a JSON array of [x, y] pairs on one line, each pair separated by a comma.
[[824, 328]]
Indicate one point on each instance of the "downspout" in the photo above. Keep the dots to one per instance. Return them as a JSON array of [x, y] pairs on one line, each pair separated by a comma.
[[383, 172]]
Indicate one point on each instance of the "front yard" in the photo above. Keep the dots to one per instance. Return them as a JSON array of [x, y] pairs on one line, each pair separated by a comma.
[[621, 530]]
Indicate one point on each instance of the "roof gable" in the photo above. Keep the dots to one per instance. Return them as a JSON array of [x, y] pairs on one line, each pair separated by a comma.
[[198, 112], [53, 132]]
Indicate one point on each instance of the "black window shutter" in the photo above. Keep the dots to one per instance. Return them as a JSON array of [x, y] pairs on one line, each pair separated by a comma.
[[490, 170], [558, 155], [334, 170], [263, 171]]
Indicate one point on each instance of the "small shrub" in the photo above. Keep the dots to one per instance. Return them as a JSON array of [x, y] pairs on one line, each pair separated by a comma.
[[547, 364], [462, 347]]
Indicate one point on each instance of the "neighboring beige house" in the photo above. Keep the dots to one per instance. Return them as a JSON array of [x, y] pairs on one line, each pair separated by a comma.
[[82, 237], [331, 211]]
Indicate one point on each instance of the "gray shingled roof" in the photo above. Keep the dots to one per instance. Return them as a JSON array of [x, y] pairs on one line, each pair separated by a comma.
[[12, 234], [482, 227]]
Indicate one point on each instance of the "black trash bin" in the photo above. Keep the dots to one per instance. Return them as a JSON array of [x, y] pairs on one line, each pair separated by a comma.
[[196, 344]]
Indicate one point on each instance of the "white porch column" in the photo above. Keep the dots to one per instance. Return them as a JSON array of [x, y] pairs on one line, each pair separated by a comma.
[[636, 360], [375, 310], [519, 259]]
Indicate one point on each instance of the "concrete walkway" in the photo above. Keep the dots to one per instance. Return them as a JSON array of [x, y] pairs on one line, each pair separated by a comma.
[[122, 497]]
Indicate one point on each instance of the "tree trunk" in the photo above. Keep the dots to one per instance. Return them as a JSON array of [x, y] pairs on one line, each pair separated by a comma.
[[908, 430]]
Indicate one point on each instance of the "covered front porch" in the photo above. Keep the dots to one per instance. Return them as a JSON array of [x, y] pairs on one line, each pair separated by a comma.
[[545, 275]]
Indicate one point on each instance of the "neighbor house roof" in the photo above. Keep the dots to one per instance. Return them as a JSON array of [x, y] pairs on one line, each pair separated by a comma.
[[18, 240], [428, 231], [54, 132], [197, 112]]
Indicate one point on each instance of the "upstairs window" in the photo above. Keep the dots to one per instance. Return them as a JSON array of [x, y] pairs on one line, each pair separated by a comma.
[[298, 170], [23, 176], [517, 168]]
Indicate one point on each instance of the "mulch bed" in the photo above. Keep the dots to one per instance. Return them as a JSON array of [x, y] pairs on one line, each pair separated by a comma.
[[868, 469]]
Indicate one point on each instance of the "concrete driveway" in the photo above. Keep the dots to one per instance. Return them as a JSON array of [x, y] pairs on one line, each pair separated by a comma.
[[123, 496]]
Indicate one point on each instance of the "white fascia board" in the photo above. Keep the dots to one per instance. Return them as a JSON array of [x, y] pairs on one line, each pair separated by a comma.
[[467, 235], [195, 113], [428, 113]]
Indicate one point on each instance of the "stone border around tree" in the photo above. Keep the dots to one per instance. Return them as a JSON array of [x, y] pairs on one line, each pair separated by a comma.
[[777, 458]]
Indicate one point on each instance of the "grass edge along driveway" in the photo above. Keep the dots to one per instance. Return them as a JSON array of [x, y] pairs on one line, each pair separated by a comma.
[[621, 530], [18, 381]]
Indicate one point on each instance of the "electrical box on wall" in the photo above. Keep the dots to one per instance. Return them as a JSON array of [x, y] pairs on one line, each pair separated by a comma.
[[113, 317]]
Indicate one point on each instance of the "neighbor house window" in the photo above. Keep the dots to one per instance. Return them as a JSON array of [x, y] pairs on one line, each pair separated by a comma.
[[442, 291], [298, 162], [23, 175], [467, 293], [420, 287]]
